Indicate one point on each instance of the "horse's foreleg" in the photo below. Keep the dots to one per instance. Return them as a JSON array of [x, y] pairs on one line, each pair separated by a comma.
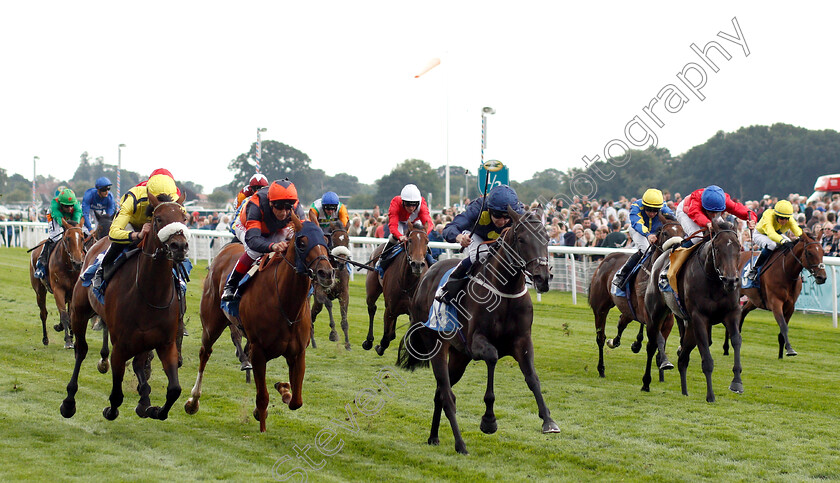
[[447, 398], [434, 438], [782, 317], [168, 356], [41, 298], [102, 365], [623, 321], [636, 346], [371, 306], [68, 406], [118, 361], [260, 411], [684, 357], [143, 389], [333, 334], [210, 332], [523, 352], [488, 420], [701, 335], [388, 331], [343, 303], [241, 354], [64, 316], [600, 338], [317, 306], [737, 385], [297, 368]]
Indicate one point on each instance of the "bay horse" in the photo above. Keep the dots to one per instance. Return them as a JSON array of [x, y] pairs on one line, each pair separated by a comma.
[[64, 266], [103, 227], [495, 314], [602, 300], [397, 285], [141, 312], [322, 297], [273, 310], [780, 285], [708, 288]]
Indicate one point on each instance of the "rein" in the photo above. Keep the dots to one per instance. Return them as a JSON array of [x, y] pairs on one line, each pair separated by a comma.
[[720, 275], [153, 256], [519, 265]]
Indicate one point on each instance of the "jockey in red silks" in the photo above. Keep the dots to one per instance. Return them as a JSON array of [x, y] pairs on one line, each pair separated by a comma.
[[405, 209], [697, 209]]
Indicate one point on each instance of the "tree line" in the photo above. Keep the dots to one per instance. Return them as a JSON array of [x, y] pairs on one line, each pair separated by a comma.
[[747, 163]]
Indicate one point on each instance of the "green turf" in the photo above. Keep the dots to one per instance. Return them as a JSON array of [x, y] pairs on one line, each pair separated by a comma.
[[783, 428]]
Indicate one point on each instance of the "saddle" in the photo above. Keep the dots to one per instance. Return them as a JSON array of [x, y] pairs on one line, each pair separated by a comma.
[[232, 307], [677, 259], [385, 259]]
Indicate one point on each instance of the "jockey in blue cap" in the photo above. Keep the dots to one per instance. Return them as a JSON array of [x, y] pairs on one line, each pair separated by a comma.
[[697, 209], [488, 222], [100, 200]]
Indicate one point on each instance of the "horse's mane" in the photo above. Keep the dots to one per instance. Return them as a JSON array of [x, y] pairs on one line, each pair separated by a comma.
[[725, 225], [668, 216]]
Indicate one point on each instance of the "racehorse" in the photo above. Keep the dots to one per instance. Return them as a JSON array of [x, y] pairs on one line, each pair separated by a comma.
[[274, 312], [602, 300], [397, 285], [64, 265], [780, 285], [103, 226], [708, 288], [495, 315], [340, 247], [141, 311]]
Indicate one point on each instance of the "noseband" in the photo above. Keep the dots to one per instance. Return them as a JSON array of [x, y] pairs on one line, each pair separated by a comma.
[[813, 268], [712, 249]]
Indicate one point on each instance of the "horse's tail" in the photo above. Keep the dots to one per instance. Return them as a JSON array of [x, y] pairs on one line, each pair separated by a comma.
[[413, 351]]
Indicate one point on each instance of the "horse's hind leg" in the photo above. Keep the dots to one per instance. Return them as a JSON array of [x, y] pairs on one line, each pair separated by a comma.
[[68, 406], [168, 356], [260, 411], [102, 365], [523, 352], [736, 386], [447, 398], [684, 357], [600, 337], [211, 328], [786, 313], [41, 298], [143, 389], [343, 303], [636, 346], [701, 335], [317, 306], [388, 331], [333, 334], [374, 290], [118, 361]]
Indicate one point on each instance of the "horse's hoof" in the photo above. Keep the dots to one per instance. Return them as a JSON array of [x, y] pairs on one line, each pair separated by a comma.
[[433, 441], [710, 399], [257, 415], [102, 366], [488, 426], [550, 427], [333, 336], [460, 447], [46, 341], [347, 346], [646, 388], [191, 406], [611, 344], [367, 345], [791, 353], [245, 366], [314, 345], [380, 350], [110, 414], [726, 352], [68, 345], [666, 366], [737, 387], [635, 347], [601, 374], [142, 411], [154, 412], [68, 408]]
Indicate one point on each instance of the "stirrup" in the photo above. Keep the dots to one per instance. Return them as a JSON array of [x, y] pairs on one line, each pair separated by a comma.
[[98, 276], [228, 294]]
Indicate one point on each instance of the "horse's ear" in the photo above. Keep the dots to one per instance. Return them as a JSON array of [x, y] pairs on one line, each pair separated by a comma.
[[296, 222], [540, 212], [64, 224], [153, 201], [513, 214], [181, 199]]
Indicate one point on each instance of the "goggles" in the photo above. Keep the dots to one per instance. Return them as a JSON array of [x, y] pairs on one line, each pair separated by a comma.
[[499, 214], [105, 189], [331, 207], [282, 205], [411, 204]]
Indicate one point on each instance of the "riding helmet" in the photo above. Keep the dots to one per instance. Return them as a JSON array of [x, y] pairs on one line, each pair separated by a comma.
[[713, 199], [500, 197], [329, 198], [258, 180], [67, 197], [161, 184], [653, 199], [783, 209], [410, 192], [102, 182], [282, 190]]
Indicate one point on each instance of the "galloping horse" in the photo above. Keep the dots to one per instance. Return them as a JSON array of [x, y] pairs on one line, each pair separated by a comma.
[[397, 285], [323, 297], [141, 312], [708, 288], [781, 284], [103, 226], [64, 265], [602, 300], [274, 311], [495, 314]]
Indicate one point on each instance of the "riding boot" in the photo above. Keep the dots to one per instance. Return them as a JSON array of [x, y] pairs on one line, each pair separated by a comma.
[[622, 273], [762, 258], [430, 260], [687, 243], [384, 253], [44, 259], [229, 292], [113, 252], [457, 281]]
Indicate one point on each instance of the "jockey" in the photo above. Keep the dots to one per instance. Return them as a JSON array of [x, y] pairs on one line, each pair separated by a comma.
[[644, 222], [265, 225], [774, 222], [328, 209], [163, 171], [134, 211], [100, 200], [696, 210], [405, 209], [65, 206], [256, 182], [488, 221]]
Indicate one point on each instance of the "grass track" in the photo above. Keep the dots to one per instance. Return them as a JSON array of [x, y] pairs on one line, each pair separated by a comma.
[[783, 428]]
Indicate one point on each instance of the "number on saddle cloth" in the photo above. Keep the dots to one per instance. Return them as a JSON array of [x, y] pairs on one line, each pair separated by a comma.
[[232, 306], [746, 282]]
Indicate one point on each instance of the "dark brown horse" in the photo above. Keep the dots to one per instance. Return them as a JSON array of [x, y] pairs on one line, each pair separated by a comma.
[[64, 265], [274, 311], [602, 300], [323, 297], [141, 312], [398, 285], [781, 284], [495, 314], [708, 288]]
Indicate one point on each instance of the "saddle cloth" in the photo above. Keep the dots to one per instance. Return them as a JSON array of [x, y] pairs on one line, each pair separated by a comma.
[[745, 282], [678, 258], [232, 306], [442, 317]]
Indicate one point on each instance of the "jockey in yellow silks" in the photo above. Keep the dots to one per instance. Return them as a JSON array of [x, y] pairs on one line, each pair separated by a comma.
[[770, 232]]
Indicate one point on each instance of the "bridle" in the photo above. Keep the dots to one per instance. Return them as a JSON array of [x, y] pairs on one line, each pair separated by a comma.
[[713, 251], [813, 268], [519, 264], [407, 244]]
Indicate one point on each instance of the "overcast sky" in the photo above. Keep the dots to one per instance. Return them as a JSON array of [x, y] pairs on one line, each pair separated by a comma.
[[186, 84]]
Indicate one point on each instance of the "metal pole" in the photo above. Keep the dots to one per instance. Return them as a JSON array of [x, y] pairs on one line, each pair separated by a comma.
[[34, 199], [466, 183], [574, 280], [259, 147], [446, 131], [833, 296], [119, 168]]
